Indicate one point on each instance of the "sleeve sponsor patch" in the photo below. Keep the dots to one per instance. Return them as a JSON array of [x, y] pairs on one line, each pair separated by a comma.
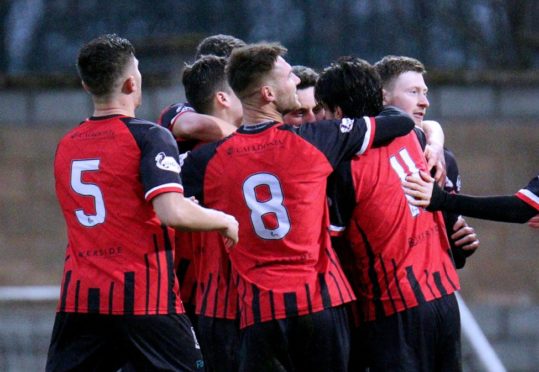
[[167, 163], [346, 125]]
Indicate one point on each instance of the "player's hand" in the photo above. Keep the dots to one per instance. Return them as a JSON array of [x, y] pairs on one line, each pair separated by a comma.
[[436, 159], [419, 187], [230, 233], [534, 222], [464, 236]]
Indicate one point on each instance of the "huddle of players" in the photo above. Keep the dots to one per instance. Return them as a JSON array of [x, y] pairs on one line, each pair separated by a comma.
[[284, 296], [348, 88]]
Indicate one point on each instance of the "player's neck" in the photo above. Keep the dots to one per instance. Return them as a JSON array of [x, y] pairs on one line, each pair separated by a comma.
[[113, 108], [253, 114]]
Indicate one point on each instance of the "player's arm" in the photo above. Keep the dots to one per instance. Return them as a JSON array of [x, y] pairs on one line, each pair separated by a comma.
[[495, 208], [182, 213], [391, 123], [205, 128], [434, 151]]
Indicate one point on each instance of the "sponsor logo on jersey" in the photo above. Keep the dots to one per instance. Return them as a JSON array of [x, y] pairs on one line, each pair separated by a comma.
[[184, 108], [346, 125], [167, 163]]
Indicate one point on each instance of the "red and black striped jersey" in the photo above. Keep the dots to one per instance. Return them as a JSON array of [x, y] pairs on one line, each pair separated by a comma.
[[185, 241], [530, 193], [216, 294], [399, 255], [119, 258], [272, 178]]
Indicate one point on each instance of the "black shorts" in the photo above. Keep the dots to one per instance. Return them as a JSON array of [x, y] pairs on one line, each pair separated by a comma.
[[316, 342], [92, 342], [220, 343], [424, 338]]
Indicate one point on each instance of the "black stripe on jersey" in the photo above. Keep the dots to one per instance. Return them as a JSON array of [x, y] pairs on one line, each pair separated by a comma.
[[129, 292], [158, 261], [225, 307], [256, 304], [324, 292], [77, 292], [182, 269], [147, 263], [67, 281], [394, 263], [386, 279], [428, 284], [343, 277], [337, 285], [414, 284], [373, 277], [111, 296], [93, 300], [244, 294], [216, 296], [272, 304], [449, 279], [171, 274], [439, 285], [206, 292], [308, 295], [193, 294], [290, 304]]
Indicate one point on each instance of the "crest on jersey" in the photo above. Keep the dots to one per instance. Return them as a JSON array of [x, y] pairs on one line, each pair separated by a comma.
[[346, 125], [167, 163]]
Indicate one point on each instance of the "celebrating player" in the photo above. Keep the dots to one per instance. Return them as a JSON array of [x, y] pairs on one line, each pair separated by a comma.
[[118, 185], [272, 177], [397, 256]]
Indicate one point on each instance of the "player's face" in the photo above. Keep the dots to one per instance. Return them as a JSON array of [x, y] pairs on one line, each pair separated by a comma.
[[409, 93], [236, 109], [138, 80], [309, 110], [284, 82]]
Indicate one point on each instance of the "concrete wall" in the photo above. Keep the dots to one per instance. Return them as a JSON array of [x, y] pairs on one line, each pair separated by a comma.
[[69, 106]]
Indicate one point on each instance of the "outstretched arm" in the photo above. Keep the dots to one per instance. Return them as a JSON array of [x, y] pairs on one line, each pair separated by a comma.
[[495, 208], [205, 128]]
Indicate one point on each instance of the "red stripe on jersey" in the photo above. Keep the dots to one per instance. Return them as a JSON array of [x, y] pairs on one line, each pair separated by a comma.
[[169, 187], [528, 197]]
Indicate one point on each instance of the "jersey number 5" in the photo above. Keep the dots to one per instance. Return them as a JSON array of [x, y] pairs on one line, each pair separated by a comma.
[[87, 189], [266, 207]]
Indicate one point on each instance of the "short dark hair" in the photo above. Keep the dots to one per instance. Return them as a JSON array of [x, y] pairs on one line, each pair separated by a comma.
[[353, 84], [248, 65], [102, 61], [218, 45], [307, 76], [390, 67], [202, 79]]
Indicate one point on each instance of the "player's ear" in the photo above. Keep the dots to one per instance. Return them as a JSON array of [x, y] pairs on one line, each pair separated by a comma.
[[267, 93], [385, 95], [222, 98], [129, 85], [338, 113]]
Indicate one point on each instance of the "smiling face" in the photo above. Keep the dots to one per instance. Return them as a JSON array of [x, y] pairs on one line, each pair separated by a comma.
[[285, 82], [409, 93]]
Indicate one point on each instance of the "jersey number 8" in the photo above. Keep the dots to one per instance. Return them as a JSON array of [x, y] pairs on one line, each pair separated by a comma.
[[272, 206]]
